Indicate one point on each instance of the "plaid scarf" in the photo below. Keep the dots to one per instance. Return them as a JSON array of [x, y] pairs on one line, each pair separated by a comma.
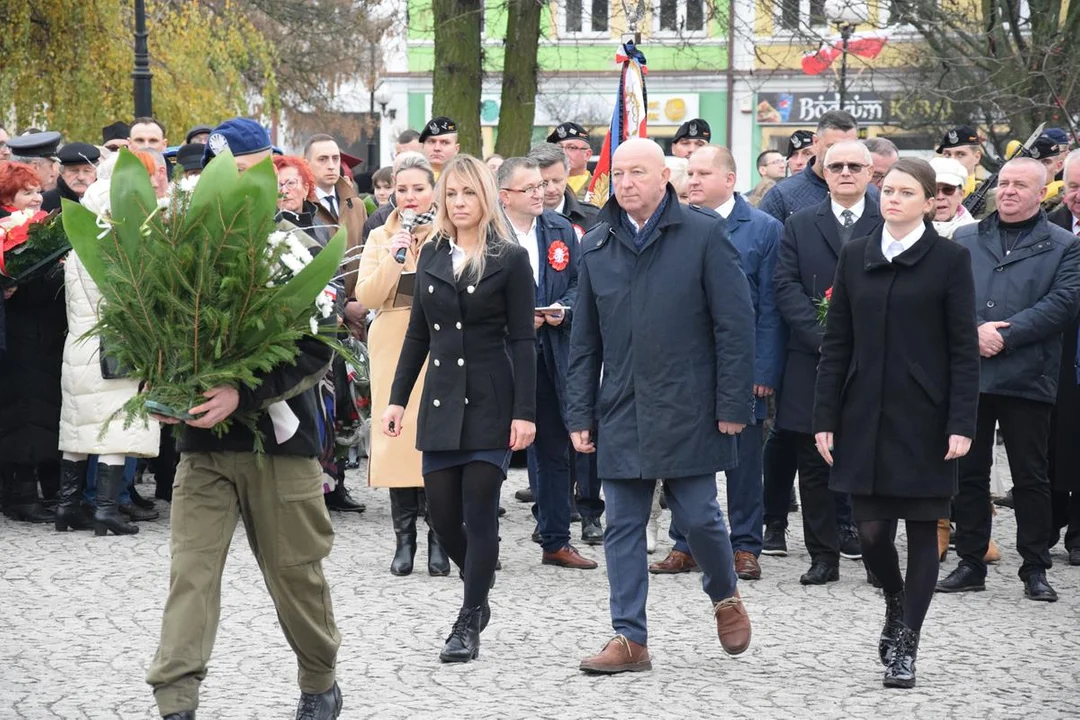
[[640, 236], [426, 218]]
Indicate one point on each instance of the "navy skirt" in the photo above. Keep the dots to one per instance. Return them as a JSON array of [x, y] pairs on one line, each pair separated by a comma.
[[443, 459]]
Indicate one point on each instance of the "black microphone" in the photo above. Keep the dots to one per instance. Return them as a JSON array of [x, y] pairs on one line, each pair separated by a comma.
[[408, 221]]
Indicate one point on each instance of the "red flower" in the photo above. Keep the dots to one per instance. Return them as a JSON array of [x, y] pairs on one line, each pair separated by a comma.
[[558, 255], [828, 294]]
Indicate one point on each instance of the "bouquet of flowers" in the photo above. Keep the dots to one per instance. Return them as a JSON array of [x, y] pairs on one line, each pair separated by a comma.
[[30, 244], [823, 306], [200, 289]]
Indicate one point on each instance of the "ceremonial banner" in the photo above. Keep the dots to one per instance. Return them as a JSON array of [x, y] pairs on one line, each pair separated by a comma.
[[628, 120]]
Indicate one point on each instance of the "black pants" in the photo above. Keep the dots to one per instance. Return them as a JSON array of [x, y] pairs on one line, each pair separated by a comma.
[[1025, 427], [818, 504], [780, 462], [1066, 514]]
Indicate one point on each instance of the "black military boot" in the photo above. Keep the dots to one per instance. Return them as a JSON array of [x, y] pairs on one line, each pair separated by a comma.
[[320, 706], [69, 510], [901, 670], [404, 509], [110, 483], [339, 498], [894, 620], [463, 644], [186, 715], [23, 503]]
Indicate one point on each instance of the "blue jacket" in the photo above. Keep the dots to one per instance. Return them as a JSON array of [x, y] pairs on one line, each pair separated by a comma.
[[1036, 289], [672, 326], [557, 286], [799, 192], [756, 236]]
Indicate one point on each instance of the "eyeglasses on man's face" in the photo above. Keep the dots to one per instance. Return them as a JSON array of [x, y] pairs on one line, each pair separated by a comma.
[[853, 168], [529, 189]]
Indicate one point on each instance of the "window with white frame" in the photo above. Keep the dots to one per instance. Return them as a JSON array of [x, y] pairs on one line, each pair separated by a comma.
[[795, 14], [582, 18], [679, 17]]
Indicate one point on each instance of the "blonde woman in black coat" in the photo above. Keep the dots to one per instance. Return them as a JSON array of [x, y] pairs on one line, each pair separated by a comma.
[[896, 396]]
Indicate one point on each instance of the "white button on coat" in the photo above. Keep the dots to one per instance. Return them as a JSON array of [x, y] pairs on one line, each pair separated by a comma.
[[437, 363], [430, 289], [471, 289], [436, 402], [461, 362], [437, 327], [458, 326]]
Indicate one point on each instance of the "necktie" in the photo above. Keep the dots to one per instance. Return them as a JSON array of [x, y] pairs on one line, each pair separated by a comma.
[[848, 218], [331, 204], [895, 248]]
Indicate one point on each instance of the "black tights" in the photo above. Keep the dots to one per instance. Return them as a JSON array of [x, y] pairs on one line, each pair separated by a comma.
[[879, 556], [463, 509]]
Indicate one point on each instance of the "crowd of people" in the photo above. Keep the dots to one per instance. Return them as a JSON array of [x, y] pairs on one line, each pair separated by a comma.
[[848, 322]]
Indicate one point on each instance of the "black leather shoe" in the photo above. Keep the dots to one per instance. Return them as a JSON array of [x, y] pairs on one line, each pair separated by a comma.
[[894, 621], [964, 578], [536, 534], [340, 500], [321, 706], [1074, 556], [775, 540], [820, 573], [525, 496], [1036, 588], [901, 670], [186, 715], [138, 500], [1006, 501], [592, 533], [463, 644], [138, 513]]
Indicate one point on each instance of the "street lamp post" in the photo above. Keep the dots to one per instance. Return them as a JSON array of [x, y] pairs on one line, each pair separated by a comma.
[[846, 15], [845, 35], [144, 106]]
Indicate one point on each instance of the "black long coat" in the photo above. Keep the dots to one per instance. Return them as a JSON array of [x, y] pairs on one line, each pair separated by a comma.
[[1065, 420], [805, 266], [899, 370], [481, 341]]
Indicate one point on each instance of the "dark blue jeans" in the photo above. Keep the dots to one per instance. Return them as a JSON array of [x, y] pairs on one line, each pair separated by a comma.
[[90, 489], [583, 474]]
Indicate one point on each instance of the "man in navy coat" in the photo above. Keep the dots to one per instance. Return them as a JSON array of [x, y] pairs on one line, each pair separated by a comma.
[[664, 307], [756, 236], [553, 252]]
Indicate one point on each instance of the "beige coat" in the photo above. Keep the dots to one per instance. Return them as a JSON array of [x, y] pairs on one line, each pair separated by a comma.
[[392, 462]]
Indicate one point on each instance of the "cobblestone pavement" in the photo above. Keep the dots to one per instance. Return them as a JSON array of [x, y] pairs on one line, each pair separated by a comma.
[[79, 618]]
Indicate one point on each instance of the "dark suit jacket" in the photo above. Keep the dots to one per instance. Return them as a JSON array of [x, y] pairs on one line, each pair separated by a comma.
[[583, 215], [804, 271], [479, 340], [557, 286], [899, 370], [1064, 450], [50, 199]]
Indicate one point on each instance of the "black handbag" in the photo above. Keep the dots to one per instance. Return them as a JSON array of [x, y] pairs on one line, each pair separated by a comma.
[[110, 366]]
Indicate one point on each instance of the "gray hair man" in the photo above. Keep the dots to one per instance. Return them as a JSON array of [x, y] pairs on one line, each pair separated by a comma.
[[883, 153], [554, 166]]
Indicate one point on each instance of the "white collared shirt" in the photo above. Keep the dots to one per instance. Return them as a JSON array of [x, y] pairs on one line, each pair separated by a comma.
[[528, 241], [562, 205], [906, 242], [457, 256], [726, 207], [322, 195], [856, 210]]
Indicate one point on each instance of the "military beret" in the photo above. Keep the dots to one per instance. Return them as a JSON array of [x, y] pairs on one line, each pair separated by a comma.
[[78, 153], [438, 126], [240, 136], [117, 131], [36, 144], [568, 131], [696, 129], [799, 140], [958, 137], [189, 156], [1059, 136], [1044, 147], [197, 130]]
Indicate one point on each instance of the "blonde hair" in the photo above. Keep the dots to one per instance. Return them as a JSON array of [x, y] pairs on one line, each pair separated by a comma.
[[493, 233]]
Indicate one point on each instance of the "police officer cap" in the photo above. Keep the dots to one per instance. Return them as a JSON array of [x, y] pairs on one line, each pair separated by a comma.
[[799, 139], [78, 153], [696, 129], [240, 136], [190, 156], [1045, 147], [117, 131], [958, 137], [197, 130], [438, 126], [568, 131], [1059, 136], [36, 144]]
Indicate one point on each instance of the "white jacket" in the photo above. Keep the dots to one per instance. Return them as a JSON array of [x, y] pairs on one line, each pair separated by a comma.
[[89, 399]]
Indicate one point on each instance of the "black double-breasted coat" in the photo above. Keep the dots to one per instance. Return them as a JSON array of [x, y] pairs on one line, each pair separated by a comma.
[[899, 370], [480, 342]]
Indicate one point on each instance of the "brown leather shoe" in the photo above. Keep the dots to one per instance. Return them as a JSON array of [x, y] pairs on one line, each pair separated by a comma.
[[619, 655], [732, 624], [746, 565], [675, 562], [569, 557]]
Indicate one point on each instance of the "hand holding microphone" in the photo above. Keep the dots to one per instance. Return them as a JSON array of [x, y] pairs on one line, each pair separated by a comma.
[[403, 238]]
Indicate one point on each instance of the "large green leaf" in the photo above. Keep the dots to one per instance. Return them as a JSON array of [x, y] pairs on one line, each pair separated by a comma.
[[131, 201], [80, 224]]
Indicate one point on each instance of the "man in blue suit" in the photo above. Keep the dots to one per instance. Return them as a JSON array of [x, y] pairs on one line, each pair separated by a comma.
[[553, 252], [756, 235]]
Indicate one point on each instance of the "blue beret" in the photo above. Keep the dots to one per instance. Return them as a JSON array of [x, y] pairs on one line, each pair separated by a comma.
[[1059, 136], [241, 136]]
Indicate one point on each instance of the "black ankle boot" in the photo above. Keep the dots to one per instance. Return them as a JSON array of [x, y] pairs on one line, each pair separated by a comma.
[[69, 510], [438, 565], [140, 502], [186, 715], [110, 482], [894, 620], [404, 509], [901, 670], [463, 644], [23, 503]]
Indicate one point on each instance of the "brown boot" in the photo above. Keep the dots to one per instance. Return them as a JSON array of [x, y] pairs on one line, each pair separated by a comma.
[[568, 557], [747, 566], [619, 655], [993, 553], [675, 562], [944, 527], [732, 624]]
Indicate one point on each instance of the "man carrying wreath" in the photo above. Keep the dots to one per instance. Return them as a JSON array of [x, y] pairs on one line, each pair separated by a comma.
[[280, 499]]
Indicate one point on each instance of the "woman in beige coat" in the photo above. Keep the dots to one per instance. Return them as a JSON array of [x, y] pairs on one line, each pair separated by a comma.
[[392, 463]]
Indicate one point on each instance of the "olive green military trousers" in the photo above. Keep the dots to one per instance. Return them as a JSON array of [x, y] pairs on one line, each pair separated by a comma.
[[288, 528]]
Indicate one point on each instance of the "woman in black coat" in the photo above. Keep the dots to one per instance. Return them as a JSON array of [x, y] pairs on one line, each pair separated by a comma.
[[472, 318], [896, 396]]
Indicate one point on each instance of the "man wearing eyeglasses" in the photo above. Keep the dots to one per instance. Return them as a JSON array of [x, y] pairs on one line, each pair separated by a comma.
[[553, 253], [949, 211], [884, 153], [811, 246], [574, 140]]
